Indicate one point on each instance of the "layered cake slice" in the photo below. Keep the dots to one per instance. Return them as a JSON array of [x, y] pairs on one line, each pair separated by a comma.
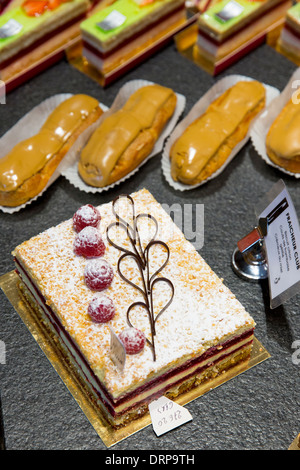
[[231, 28], [133, 305], [33, 32], [114, 34], [289, 40], [33, 21]]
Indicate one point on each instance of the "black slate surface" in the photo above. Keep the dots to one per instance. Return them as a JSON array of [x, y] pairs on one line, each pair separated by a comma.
[[259, 409]]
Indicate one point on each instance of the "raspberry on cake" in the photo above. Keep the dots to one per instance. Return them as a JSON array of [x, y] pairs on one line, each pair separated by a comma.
[[101, 309], [98, 274], [88, 242], [134, 340], [85, 216], [179, 324]]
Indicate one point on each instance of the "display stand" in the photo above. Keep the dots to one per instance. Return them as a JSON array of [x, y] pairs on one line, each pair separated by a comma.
[[249, 257]]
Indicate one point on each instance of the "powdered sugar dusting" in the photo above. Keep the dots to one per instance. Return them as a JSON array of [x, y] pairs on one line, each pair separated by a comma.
[[203, 312]]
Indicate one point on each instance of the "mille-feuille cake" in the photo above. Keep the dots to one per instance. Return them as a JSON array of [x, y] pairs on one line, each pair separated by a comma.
[[93, 278]]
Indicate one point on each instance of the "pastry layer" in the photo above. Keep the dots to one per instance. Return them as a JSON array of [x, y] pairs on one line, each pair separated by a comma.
[[206, 143], [203, 313], [282, 141], [172, 383]]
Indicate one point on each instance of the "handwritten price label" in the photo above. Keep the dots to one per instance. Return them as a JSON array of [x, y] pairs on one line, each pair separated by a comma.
[[166, 415]]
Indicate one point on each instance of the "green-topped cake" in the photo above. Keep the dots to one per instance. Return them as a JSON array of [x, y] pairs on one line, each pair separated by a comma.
[[289, 40], [33, 22], [115, 31], [231, 28]]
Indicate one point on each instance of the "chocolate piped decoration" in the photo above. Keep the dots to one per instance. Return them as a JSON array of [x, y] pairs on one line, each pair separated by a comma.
[[142, 257]]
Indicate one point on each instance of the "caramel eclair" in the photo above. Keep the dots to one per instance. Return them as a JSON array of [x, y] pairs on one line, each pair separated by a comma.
[[126, 137], [283, 138], [206, 143], [27, 168]]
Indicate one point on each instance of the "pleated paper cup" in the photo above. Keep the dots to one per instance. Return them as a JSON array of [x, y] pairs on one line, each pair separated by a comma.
[[197, 110], [262, 125], [28, 126], [71, 173]]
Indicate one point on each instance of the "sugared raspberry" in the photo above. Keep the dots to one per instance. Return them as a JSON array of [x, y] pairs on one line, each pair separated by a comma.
[[98, 274], [101, 309], [89, 243], [133, 339], [86, 216]]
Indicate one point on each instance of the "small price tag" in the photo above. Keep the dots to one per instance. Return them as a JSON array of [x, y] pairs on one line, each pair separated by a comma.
[[231, 10], [167, 415], [112, 21], [117, 351], [11, 28], [282, 244]]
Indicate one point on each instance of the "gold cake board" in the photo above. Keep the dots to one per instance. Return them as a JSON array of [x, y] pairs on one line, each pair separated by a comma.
[[295, 445], [109, 436]]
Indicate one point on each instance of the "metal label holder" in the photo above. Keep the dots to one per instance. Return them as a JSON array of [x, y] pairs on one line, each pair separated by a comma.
[[249, 259]]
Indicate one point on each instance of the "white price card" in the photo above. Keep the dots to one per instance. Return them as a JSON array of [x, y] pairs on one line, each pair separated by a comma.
[[282, 244], [167, 415]]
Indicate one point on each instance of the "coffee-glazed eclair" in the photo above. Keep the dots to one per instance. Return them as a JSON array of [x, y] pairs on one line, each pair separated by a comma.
[[207, 142], [283, 138], [27, 168], [126, 137]]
